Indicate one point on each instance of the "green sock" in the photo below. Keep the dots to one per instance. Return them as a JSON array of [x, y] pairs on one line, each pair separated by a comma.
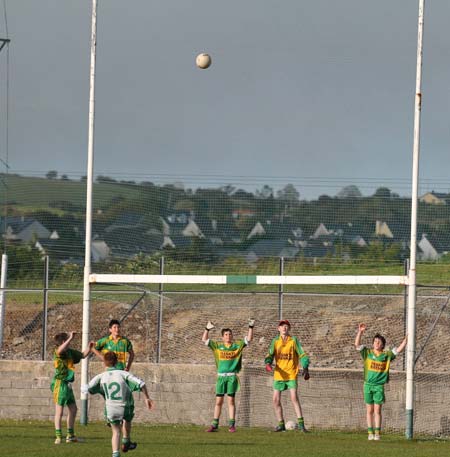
[[215, 423], [301, 422], [58, 433], [116, 454], [232, 422], [70, 432], [370, 430], [377, 430], [281, 423], [125, 440]]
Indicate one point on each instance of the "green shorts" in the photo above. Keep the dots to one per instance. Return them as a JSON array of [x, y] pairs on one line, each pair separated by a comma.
[[374, 394], [284, 385], [62, 392], [227, 385]]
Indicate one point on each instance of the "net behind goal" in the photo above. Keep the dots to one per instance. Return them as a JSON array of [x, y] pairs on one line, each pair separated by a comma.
[[183, 380]]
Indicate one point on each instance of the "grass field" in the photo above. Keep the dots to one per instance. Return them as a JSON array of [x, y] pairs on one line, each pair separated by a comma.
[[35, 439]]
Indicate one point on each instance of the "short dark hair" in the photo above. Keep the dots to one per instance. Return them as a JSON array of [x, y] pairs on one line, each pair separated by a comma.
[[60, 338], [226, 330], [113, 322], [110, 359], [381, 338]]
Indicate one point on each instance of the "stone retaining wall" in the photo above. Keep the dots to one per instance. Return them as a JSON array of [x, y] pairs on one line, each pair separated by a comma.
[[185, 394]]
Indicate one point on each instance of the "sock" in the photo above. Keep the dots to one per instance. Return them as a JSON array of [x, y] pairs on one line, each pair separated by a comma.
[[370, 430], [281, 423], [58, 433], [116, 454], [125, 440], [232, 422], [215, 423], [377, 430], [301, 422], [70, 432]]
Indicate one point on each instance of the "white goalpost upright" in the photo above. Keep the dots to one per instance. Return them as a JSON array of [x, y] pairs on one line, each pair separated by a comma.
[[411, 348], [88, 234]]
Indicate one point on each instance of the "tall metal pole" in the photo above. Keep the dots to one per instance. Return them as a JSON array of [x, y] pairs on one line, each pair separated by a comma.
[[4, 274], [88, 239], [280, 290], [45, 309], [411, 348], [160, 311]]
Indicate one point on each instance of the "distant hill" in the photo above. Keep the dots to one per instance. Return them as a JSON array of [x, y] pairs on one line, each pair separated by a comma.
[[29, 192]]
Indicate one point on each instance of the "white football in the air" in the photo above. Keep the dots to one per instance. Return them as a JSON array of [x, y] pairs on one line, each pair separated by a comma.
[[203, 61]]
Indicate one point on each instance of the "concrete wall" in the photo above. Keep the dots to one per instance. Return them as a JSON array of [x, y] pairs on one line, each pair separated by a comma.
[[185, 394]]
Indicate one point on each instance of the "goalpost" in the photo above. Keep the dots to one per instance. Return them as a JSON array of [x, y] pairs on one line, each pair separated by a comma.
[[409, 280]]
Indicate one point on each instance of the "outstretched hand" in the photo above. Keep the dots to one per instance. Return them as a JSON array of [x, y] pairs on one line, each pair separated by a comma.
[[269, 368], [251, 322], [362, 328], [209, 325], [305, 374]]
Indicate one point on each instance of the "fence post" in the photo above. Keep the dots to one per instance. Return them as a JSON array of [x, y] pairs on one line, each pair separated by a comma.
[[160, 311], [4, 274], [280, 291], [405, 307], [45, 310]]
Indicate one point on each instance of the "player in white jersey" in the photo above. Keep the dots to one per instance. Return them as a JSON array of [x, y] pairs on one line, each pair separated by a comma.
[[117, 387]]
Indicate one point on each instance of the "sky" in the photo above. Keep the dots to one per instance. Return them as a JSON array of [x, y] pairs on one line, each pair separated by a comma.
[[318, 93]]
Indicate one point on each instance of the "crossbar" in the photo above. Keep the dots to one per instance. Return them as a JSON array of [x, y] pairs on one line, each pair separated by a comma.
[[248, 279]]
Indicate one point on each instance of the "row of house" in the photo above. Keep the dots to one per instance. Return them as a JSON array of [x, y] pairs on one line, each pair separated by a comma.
[[130, 235]]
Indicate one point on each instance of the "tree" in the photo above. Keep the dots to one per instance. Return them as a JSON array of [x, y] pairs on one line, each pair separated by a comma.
[[265, 192], [289, 193], [52, 174], [349, 192], [382, 192]]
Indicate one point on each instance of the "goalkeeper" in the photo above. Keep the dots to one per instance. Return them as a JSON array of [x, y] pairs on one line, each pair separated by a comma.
[[288, 355], [228, 356], [376, 374]]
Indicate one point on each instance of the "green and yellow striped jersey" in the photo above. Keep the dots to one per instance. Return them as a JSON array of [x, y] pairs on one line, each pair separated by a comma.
[[228, 358], [376, 367], [288, 355], [120, 347], [64, 364]]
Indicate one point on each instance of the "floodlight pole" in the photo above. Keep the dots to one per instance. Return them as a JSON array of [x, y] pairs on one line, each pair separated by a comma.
[[411, 348], [88, 237]]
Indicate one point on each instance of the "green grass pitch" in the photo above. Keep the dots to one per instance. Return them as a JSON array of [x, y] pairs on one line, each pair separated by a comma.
[[35, 439]]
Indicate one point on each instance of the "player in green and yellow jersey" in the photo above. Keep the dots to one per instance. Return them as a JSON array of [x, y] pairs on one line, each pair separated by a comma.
[[288, 354], [64, 360], [377, 362], [228, 357], [118, 344]]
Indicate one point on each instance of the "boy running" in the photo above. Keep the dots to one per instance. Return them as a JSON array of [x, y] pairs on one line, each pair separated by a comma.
[[376, 374], [116, 343], [64, 359], [288, 354], [228, 357], [116, 386]]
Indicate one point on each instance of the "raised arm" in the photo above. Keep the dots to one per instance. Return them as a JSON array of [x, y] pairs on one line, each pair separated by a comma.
[[209, 326], [88, 350], [251, 324], [63, 347], [402, 345], [361, 330]]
